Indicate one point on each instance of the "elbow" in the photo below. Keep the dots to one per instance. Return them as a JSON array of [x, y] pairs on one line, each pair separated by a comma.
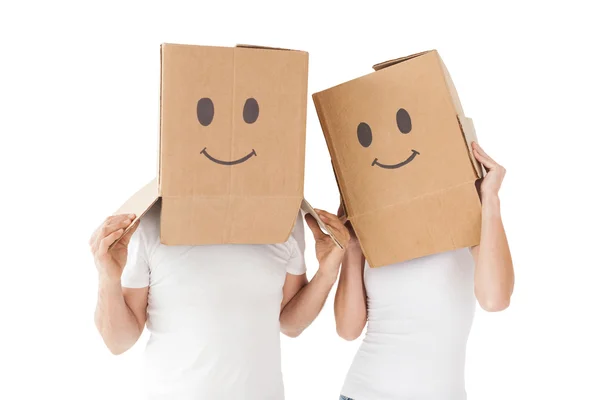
[[348, 333], [115, 351], [292, 332], [117, 348], [494, 303]]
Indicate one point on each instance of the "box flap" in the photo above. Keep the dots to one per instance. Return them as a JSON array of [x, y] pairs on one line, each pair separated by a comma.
[[190, 220], [440, 221], [139, 204], [308, 209], [395, 61], [251, 46], [468, 130]]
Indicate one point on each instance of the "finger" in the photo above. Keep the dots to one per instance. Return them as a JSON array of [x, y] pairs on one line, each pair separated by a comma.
[[488, 164], [341, 212], [109, 221], [330, 219], [314, 226], [119, 217], [127, 237], [334, 224], [109, 228], [483, 153], [107, 241]]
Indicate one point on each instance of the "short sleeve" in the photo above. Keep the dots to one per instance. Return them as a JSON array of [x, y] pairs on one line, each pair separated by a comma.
[[296, 264], [136, 273]]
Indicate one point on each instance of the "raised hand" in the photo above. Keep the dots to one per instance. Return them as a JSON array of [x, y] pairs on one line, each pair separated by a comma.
[[110, 263], [328, 253], [490, 186]]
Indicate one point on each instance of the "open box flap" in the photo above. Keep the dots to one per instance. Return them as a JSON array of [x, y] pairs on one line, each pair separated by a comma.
[[308, 209], [468, 129], [139, 204]]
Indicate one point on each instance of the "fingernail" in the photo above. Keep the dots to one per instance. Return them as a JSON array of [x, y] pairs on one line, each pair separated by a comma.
[[131, 216]]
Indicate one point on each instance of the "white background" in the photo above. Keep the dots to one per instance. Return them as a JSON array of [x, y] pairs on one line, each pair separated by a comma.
[[79, 118]]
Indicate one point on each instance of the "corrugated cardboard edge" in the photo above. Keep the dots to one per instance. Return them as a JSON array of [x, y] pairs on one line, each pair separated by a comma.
[[389, 63], [306, 208], [160, 120], [258, 47], [469, 134], [138, 204]]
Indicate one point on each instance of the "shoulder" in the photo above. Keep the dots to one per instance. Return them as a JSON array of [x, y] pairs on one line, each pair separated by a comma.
[[148, 232], [297, 236]]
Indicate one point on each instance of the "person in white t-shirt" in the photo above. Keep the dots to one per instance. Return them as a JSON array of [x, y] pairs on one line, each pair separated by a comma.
[[214, 312], [420, 311]]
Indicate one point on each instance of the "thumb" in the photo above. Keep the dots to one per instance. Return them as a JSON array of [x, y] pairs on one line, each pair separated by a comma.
[[127, 237], [314, 226]]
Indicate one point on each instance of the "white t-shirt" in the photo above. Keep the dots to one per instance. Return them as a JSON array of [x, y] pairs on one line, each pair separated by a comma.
[[213, 314], [420, 314]]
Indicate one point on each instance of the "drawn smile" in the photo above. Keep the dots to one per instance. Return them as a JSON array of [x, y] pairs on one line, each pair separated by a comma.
[[400, 164], [241, 160]]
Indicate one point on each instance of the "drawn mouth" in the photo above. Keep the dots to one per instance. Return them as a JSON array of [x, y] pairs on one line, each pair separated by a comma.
[[241, 160], [400, 164]]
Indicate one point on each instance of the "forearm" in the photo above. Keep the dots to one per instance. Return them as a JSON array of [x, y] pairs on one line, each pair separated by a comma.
[[304, 307], [114, 319], [350, 298], [494, 275]]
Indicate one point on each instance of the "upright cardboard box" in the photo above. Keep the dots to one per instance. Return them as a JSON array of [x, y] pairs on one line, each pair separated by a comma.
[[232, 143], [400, 148]]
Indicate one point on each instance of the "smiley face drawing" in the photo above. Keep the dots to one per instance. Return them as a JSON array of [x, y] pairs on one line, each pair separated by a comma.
[[205, 111], [404, 124], [393, 135], [233, 123]]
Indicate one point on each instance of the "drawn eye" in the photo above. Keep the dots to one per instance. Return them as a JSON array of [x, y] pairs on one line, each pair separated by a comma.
[[365, 137], [403, 121], [205, 111], [250, 110]]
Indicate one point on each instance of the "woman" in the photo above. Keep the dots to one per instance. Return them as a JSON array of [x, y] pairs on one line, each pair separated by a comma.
[[420, 311]]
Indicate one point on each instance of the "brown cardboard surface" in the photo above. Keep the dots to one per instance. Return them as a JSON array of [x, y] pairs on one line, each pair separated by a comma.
[[138, 204], [402, 161], [235, 172], [232, 144]]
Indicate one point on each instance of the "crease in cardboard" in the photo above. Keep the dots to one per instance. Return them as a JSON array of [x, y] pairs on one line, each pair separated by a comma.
[[442, 206], [220, 196], [229, 222], [469, 134], [160, 98], [428, 194], [330, 145], [394, 61]]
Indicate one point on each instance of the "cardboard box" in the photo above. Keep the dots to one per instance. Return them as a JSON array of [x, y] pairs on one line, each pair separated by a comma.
[[232, 144], [400, 148]]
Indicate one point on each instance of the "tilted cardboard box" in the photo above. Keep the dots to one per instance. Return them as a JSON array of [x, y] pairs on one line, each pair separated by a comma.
[[400, 148], [232, 144]]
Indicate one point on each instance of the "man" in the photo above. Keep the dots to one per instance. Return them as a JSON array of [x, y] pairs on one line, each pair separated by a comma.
[[214, 311]]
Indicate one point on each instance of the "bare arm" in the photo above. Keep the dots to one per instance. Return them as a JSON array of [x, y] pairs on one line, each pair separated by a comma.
[[303, 301], [307, 300], [350, 305], [120, 315], [494, 273], [120, 312]]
